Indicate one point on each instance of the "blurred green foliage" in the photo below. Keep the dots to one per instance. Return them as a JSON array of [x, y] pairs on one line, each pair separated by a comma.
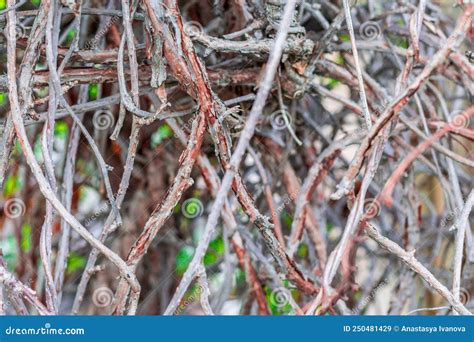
[[163, 132], [25, 242], [183, 258], [398, 41], [12, 185], [75, 262], [185, 254], [344, 37], [286, 218], [277, 309], [331, 83], [61, 130], [3, 96], [93, 91], [70, 36], [302, 251]]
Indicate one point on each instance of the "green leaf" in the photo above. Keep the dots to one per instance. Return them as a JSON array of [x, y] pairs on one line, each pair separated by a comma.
[[25, 242], [210, 258], [218, 245], [75, 262], [398, 41], [35, 2], [240, 276], [11, 185], [70, 36], [286, 218], [339, 59], [163, 132], [3, 96], [402, 42], [183, 258], [276, 308], [302, 250], [344, 37], [331, 83], [216, 249], [93, 91], [3, 4], [61, 130]]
